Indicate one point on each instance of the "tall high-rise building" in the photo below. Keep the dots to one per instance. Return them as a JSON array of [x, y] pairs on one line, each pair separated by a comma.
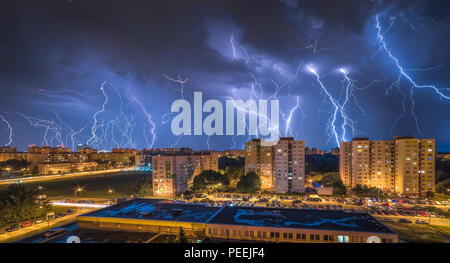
[[259, 159], [281, 166], [404, 165], [289, 166], [173, 174]]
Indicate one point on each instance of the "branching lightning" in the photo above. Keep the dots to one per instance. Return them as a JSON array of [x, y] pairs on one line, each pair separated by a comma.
[[333, 102], [149, 119], [403, 73], [10, 129]]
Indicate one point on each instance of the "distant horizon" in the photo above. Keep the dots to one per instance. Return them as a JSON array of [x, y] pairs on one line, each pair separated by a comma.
[[202, 149]]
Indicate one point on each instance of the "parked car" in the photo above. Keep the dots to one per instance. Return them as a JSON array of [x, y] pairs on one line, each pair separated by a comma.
[[404, 220], [54, 232], [59, 215], [69, 211], [26, 224], [39, 221], [12, 228], [418, 221]]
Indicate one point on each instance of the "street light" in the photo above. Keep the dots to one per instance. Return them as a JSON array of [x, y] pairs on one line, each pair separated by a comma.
[[110, 191], [379, 188], [78, 189]]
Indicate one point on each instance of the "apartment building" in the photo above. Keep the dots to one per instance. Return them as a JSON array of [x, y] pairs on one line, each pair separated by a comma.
[[281, 167], [289, 166], [415, 162], [63, 168], [174, 174], [403, 165], [259, 159]]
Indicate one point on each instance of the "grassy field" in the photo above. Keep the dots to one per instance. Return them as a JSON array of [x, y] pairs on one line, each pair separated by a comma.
[[414, 233], [94, 186]]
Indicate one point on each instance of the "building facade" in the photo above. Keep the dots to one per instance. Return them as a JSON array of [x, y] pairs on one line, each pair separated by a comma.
[[240, 223], [63, 168], [403, 165], [289, 166], [281, 167], [259, 159], [174, 174]]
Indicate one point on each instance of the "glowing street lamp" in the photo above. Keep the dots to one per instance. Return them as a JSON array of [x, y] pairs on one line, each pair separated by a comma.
[[78, 189]]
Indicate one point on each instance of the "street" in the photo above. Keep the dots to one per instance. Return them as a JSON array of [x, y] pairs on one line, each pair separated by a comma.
[[35, 228]]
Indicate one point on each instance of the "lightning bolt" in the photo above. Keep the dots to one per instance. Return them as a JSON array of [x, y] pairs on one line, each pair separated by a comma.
[[288, 120], [73, 134], [10, 129], [149, 119], [349, 92], [63, 91], [95, 127], [333, 102], [48, 125], [257, 91], [403, 74]]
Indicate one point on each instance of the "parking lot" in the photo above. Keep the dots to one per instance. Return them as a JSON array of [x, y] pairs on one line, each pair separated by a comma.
[[388, 210]]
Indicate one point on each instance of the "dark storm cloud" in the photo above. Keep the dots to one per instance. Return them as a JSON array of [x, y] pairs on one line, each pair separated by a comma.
[[57, 44]]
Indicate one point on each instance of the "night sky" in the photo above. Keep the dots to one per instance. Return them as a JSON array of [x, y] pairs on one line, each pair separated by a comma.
[[55, 57]]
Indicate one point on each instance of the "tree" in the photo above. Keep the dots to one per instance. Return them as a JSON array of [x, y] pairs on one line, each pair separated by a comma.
[[233, 173], [430, 194], [225, 162], [35, 170], [249, 183], [14, 164], [181, 237], [209, 179], [143, 187], [334, 180], [18, 204], [321, 163], [365, 191], [443, 186]]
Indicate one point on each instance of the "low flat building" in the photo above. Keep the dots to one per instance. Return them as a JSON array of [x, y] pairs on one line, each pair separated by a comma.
[[150, 215], [240, 223], [322, 190], [62, 168]]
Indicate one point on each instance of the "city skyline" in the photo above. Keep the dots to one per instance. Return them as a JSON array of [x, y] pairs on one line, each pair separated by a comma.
[[108, 80]]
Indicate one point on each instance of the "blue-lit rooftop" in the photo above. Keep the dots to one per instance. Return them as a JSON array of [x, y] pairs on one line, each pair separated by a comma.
[[157, 209], [299, 218]]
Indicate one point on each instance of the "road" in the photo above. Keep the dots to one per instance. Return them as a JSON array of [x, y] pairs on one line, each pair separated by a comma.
[[56, 176], [23, 232]]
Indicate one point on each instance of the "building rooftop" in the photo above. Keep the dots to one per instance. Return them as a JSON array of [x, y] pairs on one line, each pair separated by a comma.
[[299, 218], [157, 209]]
